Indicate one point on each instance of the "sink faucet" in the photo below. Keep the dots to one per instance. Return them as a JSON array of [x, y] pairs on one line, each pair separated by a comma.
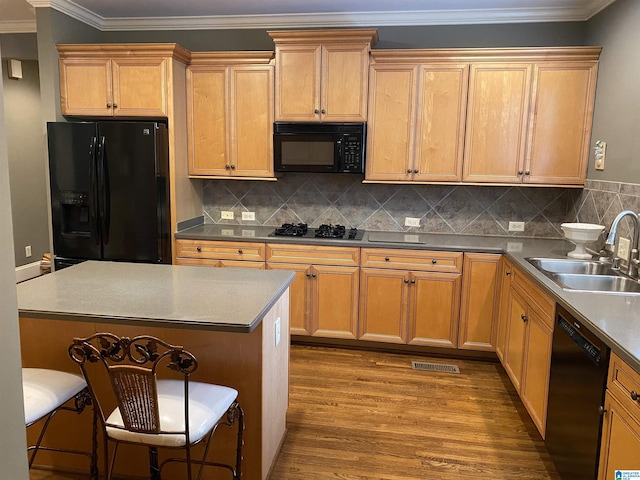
[[609, 245]]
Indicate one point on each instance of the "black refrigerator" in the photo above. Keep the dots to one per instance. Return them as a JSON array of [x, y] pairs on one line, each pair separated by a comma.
[[109, 191]]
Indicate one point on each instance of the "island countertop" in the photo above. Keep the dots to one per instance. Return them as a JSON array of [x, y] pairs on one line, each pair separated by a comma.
[[222, 299]]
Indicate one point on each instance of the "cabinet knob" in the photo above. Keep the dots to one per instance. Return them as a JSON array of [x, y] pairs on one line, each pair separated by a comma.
[[527, 172], [240, 251], [409, 170], [434, 261], [416, 171], [307, 274], [314, 275], [406, 280], [233, 167], [507, 273], [199, 249], [520, 172], [108, 105], [413, 280], [227, 167], [386, 259], [601, 410], [524, 318], [323, 111], [115, 105], [316, 111], [634, 395]]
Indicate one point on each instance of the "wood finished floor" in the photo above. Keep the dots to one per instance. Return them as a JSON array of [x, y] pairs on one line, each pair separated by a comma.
[[361, 415]]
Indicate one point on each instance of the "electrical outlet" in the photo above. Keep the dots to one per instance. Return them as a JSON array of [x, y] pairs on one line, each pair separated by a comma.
[[624, 245], [27, 251], [226, 215], [516, 226], [600, 151], [411, 222], [277, 331], [250, 216]]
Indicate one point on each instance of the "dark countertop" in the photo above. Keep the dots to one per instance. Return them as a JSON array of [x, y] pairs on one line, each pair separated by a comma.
[[614, 318], [223, 299]]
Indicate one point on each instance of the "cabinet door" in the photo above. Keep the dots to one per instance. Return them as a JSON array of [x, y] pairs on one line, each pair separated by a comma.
[[251, 127], [434, 308], [383, 305], [140, 87], [343, 96], [442, 106], [300, 294], [503, 315], [391, 124], [478, 319], [620, 445], [335, 301], [298, 83], [560, 129], [207, 108], [535, 382], [85, 87], [497, 116], [514, 355]]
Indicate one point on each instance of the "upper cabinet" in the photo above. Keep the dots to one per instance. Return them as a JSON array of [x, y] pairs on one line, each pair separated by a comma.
[[230, 114], [321, 75], [117, 80], [481, 116]]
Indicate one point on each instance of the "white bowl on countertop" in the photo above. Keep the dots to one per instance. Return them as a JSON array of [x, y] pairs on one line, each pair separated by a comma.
[[581, 234]]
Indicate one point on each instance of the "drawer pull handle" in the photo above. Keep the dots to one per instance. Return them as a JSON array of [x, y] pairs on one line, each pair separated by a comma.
[[507, 273], [634, 395], [434, 261], [240, 251], [524, 318], [199, 249], [386, 259]]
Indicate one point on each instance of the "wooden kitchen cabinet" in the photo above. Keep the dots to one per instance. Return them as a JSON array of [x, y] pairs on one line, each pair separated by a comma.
[[230, 115], [416, 118], [410, 297], [117, 80], [620, 444], [220, 254], [531, 122], [527, 355], [478, 312], [324, 294], [321, 75]]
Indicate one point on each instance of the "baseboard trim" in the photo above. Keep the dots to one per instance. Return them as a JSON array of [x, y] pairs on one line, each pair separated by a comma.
[[28, 271]]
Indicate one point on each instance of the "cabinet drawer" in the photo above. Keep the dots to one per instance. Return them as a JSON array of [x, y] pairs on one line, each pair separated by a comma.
[[412, 260], [542, 304], [312, 254], [220, 250], [624, 384]]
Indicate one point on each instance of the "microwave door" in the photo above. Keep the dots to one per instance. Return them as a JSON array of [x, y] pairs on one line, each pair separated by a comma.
[[307, 153]]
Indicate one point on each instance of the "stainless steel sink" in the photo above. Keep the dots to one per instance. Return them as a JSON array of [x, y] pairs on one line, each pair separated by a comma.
[[586, 275], [597, 283], [583, 267]]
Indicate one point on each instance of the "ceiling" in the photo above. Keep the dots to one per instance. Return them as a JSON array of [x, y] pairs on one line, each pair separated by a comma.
[[19, 15]]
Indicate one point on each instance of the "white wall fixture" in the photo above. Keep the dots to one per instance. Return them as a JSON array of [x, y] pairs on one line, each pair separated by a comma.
[[14, 69]]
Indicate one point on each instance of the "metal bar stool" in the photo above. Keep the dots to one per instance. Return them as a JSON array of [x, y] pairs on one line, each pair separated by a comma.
[[156, 402], [45, 393]]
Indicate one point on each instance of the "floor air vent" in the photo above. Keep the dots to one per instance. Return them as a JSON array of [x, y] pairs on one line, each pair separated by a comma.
[[434, 367]]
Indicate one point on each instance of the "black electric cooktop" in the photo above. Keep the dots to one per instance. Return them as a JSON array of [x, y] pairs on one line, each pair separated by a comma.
[[301, 230]]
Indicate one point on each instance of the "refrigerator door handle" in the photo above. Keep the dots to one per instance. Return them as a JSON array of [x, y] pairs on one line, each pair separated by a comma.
[[103, 186], [93, 193]]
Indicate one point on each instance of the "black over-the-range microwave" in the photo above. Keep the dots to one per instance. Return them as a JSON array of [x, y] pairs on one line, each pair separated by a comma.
[[319, 147]]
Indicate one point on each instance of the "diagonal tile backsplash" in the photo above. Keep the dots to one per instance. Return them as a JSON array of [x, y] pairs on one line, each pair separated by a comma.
[[455, 209]]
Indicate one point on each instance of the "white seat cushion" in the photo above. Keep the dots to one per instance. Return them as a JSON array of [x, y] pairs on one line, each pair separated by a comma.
[[207, 404], [45, 390]]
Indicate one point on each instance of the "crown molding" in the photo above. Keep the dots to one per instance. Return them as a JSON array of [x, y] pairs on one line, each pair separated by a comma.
[[333, 20], [22, 26]]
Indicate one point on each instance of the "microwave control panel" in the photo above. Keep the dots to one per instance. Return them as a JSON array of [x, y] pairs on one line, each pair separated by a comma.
[[352, 154]]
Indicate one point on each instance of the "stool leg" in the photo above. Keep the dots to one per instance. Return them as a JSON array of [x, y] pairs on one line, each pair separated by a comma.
[[154, 471], [94, 474], [238, 474]]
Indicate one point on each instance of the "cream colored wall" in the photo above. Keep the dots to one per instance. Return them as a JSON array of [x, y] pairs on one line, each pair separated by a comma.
[[13, 457]]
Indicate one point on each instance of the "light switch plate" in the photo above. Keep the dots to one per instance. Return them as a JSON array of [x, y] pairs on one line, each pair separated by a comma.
[[226, 215], [411, 222], [516, 226], [249, 216]]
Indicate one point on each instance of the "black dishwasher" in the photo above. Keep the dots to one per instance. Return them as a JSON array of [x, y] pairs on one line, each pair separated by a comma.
[[577, 382]]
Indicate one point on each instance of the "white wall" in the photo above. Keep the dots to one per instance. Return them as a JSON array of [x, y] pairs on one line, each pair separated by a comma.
[[13, 458]]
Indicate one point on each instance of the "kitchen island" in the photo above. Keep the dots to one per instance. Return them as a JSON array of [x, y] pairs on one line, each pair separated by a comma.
[[235, 321]]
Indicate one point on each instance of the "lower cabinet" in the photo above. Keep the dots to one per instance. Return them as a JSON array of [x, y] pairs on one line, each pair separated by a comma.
[[324, 294], [410, 297], [527, 323], [620, 447], [220, 254]]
